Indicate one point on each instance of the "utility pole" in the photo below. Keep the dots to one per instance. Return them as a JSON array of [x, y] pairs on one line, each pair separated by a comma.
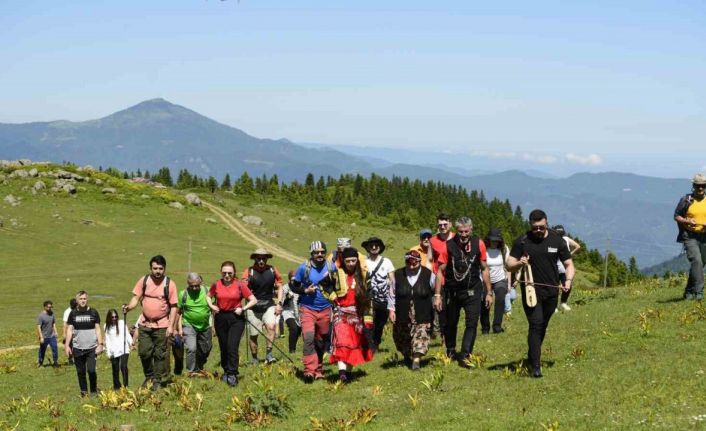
[[605, 266], [189, 260]]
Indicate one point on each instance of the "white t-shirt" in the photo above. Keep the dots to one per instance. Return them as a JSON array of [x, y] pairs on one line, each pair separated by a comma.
[[66, 315], [380, 282], [559, 264], [496, 264]]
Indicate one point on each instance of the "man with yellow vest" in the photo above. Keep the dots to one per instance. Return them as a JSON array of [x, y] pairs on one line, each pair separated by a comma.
[[690, 216]]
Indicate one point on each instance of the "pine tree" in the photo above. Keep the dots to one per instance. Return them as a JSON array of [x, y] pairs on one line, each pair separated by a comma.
[[225, 185]]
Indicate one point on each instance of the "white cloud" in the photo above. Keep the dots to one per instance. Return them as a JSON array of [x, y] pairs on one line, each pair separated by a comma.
[[589, 160], [544, 159]]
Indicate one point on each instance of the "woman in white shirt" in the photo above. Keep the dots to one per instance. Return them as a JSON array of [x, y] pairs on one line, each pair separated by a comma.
[[499, 278], [573, 248], [117, 345]]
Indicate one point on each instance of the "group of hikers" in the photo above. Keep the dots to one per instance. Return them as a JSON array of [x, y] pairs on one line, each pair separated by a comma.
[[338, 302]]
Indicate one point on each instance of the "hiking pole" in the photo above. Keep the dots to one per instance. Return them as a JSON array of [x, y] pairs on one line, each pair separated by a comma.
[[124, 331], [247, 337], [273, 342]]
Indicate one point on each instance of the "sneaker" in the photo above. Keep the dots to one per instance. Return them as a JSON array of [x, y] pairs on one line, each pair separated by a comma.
[[564, 307], [537, 373], [308, 378], [451, 354], [689, 296], [485, 331], [255, 361], [84, 394], [156, 386], [270, 359], [343, 376], [556, 310], [416, 365], [699, 297], [232, 380]]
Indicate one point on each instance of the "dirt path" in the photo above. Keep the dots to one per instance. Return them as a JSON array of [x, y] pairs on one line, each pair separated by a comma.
[[13, 349], [234, 224]]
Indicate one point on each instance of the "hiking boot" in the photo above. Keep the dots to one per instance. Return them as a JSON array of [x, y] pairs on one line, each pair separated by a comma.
[[537, 372], [498, 331], [564, 307], [270, 359]]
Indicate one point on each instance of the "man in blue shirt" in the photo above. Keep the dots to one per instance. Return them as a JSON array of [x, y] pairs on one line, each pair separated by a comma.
[[312, 279]]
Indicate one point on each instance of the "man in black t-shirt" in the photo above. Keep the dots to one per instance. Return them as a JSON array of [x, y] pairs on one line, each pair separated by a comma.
[[84, 341], [540, 248]]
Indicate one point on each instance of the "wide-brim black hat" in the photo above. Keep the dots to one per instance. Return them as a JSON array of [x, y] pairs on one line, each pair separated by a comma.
[[373, 240], [494, 235]]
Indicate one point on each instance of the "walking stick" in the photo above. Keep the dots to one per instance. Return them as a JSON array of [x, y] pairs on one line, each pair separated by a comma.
[[273, 343], [247, 337], [527, 279], [124, 331]]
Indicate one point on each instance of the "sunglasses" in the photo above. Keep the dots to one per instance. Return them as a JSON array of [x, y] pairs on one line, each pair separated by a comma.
[[318, 252], [539, 228], [700, 186], [425, 236], [260, 258]]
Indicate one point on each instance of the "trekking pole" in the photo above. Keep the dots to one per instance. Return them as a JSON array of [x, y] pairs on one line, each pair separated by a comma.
[[247, 338], [124, 331], [273, 343]]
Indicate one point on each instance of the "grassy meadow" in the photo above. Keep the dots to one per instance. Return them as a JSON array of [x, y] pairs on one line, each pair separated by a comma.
[[624, 358]]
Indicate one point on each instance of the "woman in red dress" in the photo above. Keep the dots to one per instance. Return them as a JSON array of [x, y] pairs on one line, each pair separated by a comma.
[[351, 343]]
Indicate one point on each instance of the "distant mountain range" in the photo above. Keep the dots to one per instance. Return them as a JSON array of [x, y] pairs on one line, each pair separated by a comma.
[[634, 211]]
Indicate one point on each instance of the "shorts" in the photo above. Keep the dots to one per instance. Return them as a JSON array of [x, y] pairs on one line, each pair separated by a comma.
[[256, 320]]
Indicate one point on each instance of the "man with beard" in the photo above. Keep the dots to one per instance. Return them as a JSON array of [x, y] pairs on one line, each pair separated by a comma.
[[312, 280], [46, 331], [265, 282], [690, 216], [536, 252], [462, 266], [158, 295]]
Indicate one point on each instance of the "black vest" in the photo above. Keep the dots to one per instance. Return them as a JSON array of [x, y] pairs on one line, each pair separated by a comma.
[[459, 261], [262, 285], [420, 294]]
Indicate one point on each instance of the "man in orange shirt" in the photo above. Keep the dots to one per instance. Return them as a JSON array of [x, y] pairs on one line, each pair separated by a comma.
[[158, 296], [438, 246]]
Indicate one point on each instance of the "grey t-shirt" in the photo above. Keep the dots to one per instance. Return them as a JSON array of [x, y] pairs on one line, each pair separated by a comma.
[[46, 323], [84, 324]]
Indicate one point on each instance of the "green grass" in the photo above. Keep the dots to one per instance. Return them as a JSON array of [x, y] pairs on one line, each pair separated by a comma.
[[624, 358]]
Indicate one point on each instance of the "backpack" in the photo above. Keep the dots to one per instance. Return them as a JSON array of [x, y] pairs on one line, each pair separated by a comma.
[[165, 294], [185, 296]]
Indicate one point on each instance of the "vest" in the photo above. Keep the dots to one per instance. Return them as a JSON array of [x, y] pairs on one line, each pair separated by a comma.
[[420, 294], [458, 265], [262, 285]]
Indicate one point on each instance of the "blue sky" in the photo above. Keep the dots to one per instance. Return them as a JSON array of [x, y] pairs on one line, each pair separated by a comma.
[[514, 77]]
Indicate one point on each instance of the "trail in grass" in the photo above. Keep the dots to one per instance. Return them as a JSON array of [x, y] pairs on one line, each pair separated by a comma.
[[248, 236]]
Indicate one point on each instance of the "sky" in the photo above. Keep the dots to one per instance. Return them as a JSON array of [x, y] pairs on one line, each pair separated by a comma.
[[546, 82]]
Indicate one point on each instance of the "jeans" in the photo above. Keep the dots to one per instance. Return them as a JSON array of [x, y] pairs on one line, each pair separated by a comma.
[[152, 347], [380, 317], [85, 361], [511, 295], [469, 300], [51, 341], [696, 253], [500, 291], [538, 318], [119, 366], [229, 330], [198, 347]]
